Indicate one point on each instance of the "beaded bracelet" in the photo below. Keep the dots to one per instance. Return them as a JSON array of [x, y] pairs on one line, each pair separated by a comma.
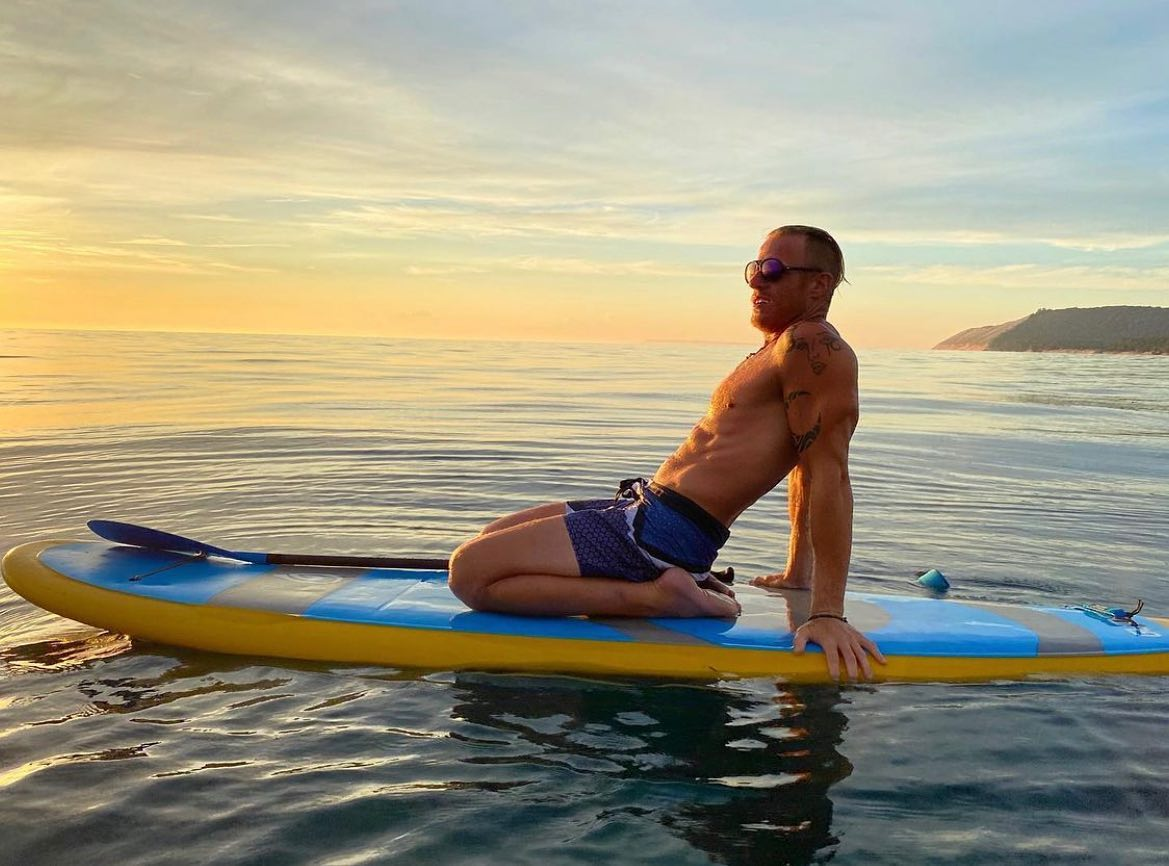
[[827, 616]]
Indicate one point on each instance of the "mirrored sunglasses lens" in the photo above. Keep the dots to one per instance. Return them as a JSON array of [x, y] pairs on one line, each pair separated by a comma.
[[750, 271], [771, 268]]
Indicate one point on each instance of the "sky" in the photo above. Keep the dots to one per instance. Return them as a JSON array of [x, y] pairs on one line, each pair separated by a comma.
[[575, 171]]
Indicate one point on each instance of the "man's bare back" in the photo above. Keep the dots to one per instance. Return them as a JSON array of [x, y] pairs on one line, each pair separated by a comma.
[[788, 410]]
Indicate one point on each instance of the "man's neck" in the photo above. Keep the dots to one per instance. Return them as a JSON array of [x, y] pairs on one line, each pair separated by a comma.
[[770, 337]]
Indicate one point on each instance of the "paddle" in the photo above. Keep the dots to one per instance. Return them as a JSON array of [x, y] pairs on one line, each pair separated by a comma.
[[154, 539]]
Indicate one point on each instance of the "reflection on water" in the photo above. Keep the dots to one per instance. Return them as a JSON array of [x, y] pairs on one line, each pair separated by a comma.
[[243, 763], [740, 771], [63, 653]]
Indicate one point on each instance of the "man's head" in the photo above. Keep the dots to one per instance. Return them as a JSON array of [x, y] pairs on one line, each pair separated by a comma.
[[812, 268], [821, 249]]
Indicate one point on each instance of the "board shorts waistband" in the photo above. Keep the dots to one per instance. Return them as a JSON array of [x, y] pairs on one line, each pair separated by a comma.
[[643, 530], [697, 515]]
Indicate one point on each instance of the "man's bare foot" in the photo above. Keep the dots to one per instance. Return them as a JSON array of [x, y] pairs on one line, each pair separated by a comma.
[[716, 585], [783, 581], [680, 596]]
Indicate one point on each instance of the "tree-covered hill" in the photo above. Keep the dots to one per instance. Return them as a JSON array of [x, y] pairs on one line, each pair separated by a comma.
[[1095, 329]]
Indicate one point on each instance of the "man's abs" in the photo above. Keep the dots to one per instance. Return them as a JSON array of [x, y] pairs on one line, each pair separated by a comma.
[[740, 450]]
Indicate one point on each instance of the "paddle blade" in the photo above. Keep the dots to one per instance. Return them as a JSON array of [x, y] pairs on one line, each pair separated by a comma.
[[152, 539]]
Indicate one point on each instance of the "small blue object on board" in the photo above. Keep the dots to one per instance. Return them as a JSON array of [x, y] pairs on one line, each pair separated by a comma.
[[933, 579]]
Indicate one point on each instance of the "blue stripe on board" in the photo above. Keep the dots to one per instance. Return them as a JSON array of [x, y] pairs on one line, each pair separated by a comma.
[[429, 604], [750, 632], [1118, 637], [916, 626], [933, 627], [571, 628], [165, 576]]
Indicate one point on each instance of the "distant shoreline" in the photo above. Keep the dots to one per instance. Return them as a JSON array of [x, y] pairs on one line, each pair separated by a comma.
[[1094, 330]]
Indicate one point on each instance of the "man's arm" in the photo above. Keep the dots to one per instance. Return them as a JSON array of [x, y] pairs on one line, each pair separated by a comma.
[[819, 373], [797, 574]]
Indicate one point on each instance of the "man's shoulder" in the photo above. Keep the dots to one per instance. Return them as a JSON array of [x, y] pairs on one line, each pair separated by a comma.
[[813, 329], [817, 337]]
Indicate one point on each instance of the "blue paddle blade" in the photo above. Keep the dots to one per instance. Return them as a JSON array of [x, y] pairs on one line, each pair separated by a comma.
[[154, 539]]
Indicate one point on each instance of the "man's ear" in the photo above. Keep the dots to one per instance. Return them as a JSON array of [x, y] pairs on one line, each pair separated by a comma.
[[822, 287]]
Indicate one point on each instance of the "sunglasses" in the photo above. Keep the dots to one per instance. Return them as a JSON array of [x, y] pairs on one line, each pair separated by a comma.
[[770, 270]]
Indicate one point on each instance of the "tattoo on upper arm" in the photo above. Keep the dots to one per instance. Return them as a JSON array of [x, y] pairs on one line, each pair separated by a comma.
[[804, 441], [819, 350], [791, 398]]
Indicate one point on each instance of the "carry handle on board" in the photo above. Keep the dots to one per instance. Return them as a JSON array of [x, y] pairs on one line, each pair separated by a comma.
[[155, 539]]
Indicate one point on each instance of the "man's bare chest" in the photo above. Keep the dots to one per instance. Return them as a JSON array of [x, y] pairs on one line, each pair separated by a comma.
[[754, 384]]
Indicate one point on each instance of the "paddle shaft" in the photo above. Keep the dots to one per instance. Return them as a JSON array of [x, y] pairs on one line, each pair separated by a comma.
[[358, 561], [156, 539]]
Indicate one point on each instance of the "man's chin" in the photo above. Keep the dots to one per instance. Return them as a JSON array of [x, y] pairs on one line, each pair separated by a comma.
[[767, 325]]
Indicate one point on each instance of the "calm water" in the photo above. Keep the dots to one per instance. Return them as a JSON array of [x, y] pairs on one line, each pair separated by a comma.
[[1024, 478]]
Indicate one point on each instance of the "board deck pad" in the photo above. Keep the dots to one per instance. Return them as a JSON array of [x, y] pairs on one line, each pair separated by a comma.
[[404, 617]]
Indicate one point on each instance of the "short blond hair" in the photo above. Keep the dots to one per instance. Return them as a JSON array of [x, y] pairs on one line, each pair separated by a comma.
[[822, 248]]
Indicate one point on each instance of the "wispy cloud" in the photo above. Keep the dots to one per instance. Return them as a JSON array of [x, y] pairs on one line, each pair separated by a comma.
[[594, 267], [215, 218], [444, 270], [1104, 241], [155, 242], [1027, 276], [40, 252]]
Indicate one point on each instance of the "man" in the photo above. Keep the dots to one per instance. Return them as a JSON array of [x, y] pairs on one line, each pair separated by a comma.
[[788, 410]]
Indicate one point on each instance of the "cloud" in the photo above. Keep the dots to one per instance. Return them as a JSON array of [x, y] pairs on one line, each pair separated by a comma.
[[593, 267], [1105, 241], [155, 242], [216, 218], [1108, 242], [444, 270], [559, 265], [1026, 276], [39, 252], [486, 218]]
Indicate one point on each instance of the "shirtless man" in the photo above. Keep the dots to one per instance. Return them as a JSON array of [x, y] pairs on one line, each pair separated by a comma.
[[787, 411]]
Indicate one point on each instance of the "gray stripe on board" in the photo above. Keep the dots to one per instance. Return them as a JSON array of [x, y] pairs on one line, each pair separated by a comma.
[[644, 631], [1056, 635], [282, 591], [866, 616], [791, 608]]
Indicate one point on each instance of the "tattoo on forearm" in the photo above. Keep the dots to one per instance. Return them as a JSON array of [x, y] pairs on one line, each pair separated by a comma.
[[791, 398], [819, 350], [803, 441]]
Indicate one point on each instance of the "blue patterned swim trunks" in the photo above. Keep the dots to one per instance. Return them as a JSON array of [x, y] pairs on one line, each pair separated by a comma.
[[644, 530]]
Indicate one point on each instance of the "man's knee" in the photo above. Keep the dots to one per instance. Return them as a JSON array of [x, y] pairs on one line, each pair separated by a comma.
[[548, 509], [465, 580]]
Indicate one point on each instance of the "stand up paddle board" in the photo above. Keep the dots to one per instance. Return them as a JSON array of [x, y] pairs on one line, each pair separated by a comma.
[[409, 618]]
